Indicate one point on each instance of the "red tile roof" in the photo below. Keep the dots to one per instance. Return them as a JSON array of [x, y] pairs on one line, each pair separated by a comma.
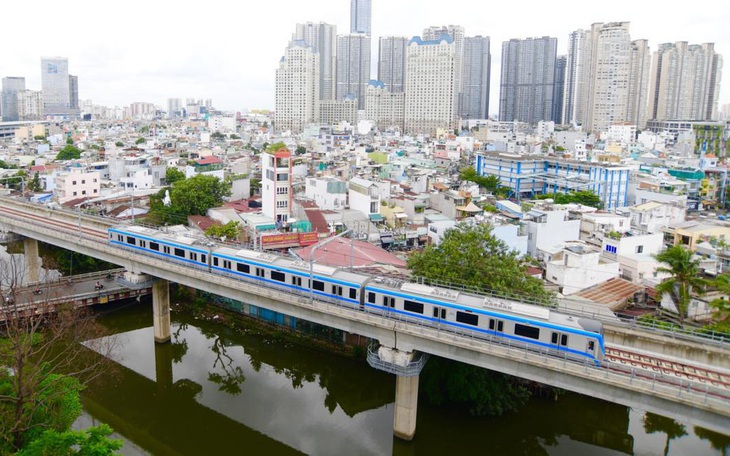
[[209, 160], [346, 252]]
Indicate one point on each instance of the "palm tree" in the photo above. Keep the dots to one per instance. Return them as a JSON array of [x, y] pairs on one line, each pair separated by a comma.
[[721, 305], [685, 278]]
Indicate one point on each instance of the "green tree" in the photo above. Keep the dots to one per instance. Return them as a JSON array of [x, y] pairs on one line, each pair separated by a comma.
[[70, 152], [489, 183], [192, 196], [173, 175], [140, 140], [119, 144], [35, 184], [93, 441], [70, 141], [234, 136], [720, 442], [586, 198], [39, 137], [301, 150], [217, 135], [721, 306], [46, 359], [274, 147], [470, 255], [656, 423], [230, 230], [684, 278]]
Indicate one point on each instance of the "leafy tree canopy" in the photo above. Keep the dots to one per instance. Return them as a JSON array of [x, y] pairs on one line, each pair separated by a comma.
[[173, 175], [230, 230], [301, 150], [140, 140], [470, 255], [490, 183], [119, 144], [70, 152], [586, 198], [93, 441], [685, 277], [192, 196]]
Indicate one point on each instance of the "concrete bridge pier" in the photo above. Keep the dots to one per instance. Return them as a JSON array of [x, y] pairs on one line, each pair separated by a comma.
[[163, 366], [406, 405], [30, 248], [161, 310]]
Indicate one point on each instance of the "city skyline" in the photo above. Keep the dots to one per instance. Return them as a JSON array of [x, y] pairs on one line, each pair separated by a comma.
[[187, 51]]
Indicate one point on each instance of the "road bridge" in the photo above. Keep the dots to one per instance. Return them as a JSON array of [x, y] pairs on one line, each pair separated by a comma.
[[642, 378]]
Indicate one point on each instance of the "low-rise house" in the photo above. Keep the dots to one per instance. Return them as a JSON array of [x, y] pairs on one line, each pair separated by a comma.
[[579, 266]]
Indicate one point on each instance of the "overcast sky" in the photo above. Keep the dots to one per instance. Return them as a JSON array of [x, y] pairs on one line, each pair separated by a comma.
[[157, 49]]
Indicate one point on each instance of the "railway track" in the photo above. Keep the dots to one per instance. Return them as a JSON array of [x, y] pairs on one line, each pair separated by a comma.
[[666, 369], [54, 223]]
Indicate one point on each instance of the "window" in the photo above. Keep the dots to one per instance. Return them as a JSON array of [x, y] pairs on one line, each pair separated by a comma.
[[243, 268], [180, 253], [296, 281], [554, 338], [260, 272], [591, 345], [166, 249], [439, 313], [337, 290], [204, 258], [371, 297], [194, 256], [388, 301], [131, 240], [278, 276], [215, 261], [639, 249], [467, 318], [564, 340], [353, 293], [527, 331], [318, 285], [227, 264], [412, 306]]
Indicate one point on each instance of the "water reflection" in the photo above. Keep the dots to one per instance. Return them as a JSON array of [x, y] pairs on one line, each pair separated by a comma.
[[216, 391]]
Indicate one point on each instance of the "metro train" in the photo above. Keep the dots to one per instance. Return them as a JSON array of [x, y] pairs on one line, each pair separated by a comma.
[[490, 318]]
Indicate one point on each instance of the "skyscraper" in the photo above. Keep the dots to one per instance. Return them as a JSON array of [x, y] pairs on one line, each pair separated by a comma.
[[353, 66], [11, 89], [560, 64], [322, 37], [430, 93], [297, 88], [474, 99], [360, 14], [456, 33], [392, 62], [684, 82], [606, 77], [527, 84], [60, 91]]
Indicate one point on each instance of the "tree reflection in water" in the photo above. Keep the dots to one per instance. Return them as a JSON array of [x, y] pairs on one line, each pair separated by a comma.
[[656, 423], [231, 378]]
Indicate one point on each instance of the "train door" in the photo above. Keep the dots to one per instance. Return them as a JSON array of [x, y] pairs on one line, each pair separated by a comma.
[[388, 304], [439, 314], [559, 340]]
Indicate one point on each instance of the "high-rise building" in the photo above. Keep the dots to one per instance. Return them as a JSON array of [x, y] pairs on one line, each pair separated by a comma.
[[332, 112], [560, 66], [30, 105], [60, 90], [456, 33], [575, 68], [392, 62], [174, 108], [353, 66], [360, 14], [430, 91], [684, 82], [527, 84], [322, 37], [474, 98], [606, 77], [297, 88], [384, 107], [11, 88]]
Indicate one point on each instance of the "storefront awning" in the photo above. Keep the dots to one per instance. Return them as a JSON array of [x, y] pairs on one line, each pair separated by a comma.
[[376, 217]]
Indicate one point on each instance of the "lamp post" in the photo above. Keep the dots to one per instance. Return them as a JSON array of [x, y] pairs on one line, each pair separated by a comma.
[[311, 262]]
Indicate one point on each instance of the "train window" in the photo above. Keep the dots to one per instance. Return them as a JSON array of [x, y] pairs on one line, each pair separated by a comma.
[[131, 240], [337, 290], [296, 281], [591, 345], [166, 249], [527, 331], [318, 285], [388, 301], [564, 340], [371, 297], [154, 246], [215, 261], [353, 293], [437, 311], [412, 306], [278, 276], [227, 264], [468, 318], [554, 338], [260, 272], [203, 258], [243, 268], [193, 256], [498, 324], [120, 237], [143, 244]]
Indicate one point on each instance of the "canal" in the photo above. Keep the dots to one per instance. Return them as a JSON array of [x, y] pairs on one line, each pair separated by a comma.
[[214, 390]]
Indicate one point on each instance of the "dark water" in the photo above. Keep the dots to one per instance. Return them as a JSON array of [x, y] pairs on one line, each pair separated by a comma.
[[216, 391]]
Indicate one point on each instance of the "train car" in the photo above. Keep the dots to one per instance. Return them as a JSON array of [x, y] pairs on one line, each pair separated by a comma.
[[164, 245], [494, 319], [533, 327]]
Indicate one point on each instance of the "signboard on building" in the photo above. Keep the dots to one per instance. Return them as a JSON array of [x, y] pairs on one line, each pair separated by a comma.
[[273, 241]]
